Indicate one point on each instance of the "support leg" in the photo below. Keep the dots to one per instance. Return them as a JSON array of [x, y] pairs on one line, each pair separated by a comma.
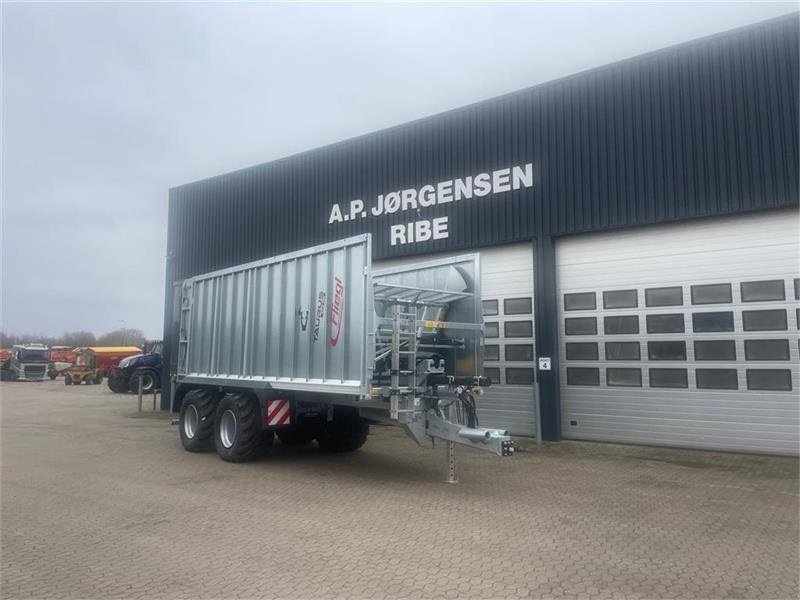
[[451, 463]]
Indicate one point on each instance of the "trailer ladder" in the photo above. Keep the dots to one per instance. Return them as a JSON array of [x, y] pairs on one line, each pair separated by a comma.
[[183, 330], [403, 372]]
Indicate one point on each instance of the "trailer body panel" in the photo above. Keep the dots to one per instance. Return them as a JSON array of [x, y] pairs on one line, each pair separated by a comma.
[[300, 321]]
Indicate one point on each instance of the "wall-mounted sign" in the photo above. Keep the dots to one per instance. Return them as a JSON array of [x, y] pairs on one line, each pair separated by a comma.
[[471, 188]]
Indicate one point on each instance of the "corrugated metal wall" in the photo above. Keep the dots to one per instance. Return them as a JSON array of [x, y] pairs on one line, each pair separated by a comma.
[[704, 128]]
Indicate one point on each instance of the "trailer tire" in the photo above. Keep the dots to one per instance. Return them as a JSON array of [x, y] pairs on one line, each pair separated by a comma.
[[238, 435], [346, 433], [67, 380], [296, 435], [196, 420]]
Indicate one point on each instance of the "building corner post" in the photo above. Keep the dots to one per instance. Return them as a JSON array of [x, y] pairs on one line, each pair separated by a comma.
[[168, 342], [546, 321]]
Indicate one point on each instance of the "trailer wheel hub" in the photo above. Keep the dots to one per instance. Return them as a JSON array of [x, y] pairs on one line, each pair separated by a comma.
[[190, 421], [227, 428]]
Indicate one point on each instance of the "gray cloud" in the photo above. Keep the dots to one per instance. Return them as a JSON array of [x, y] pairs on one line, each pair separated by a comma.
[[106, 106]]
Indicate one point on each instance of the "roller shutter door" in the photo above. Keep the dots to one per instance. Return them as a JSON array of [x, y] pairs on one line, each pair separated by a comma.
[[509, 353], [683, 335]]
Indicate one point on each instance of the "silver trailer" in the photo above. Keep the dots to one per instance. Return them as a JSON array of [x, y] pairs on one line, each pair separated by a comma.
[[315, 344]]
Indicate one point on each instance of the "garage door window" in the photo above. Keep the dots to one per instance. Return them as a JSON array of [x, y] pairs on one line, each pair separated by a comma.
[[582, 351], [580, 326], [763, 291], [624, 325], [582, 301], [519, 352], [712, 322], [665, 323], [493, 374], [669, 378], [717, 379], [491, 352], [515, 329], [517, 376], [623, 351], [797, 289], [714, 350], [779, 380], [666, 350], [764, 320], [766, 349], [620, 299], [666, 296], [491, 330], [518, 306], [624, 377], [490, 307], [583, 376], [714, 293]]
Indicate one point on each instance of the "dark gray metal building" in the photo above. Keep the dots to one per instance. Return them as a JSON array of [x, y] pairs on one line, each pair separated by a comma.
[[637, 225]]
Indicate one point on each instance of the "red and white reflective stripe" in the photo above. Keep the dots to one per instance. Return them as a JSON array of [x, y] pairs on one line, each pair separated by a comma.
[[278, 412]]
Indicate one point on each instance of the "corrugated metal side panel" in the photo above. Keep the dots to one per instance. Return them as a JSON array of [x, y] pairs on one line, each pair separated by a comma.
[[704, 128], [727, 250], [506, 272], [260, 321]]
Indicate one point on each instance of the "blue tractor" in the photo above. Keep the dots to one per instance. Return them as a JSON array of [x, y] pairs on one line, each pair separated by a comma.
[[124, 377]]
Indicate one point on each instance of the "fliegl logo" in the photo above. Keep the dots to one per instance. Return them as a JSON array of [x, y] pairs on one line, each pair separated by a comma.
[[337, 311]]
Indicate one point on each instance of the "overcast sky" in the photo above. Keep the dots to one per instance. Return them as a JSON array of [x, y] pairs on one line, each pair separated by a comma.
[[107, 106]]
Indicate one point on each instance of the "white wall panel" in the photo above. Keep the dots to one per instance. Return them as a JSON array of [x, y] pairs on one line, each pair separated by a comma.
[[730, 250]]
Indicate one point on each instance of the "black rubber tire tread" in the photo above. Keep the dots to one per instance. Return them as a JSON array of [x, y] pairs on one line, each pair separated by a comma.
[[297, 435], [250, 442], [67, 380], [117, 382], [134, 380], [346, 433], [205, 401]]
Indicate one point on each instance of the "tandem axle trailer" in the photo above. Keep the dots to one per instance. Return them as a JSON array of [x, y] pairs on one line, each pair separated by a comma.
[[315, 344]]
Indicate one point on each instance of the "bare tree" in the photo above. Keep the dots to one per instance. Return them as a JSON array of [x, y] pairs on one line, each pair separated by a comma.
[[122, 337], [9, 339], [78, 338], [118, 337]]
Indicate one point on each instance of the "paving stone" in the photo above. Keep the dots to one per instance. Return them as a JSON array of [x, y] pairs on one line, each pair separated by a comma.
[[101, 502]]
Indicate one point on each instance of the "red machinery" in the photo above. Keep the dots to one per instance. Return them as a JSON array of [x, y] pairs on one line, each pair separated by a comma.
[[107, 357]]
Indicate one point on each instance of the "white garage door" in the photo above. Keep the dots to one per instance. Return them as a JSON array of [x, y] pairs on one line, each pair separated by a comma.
[[507, 291], [683, 335]]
